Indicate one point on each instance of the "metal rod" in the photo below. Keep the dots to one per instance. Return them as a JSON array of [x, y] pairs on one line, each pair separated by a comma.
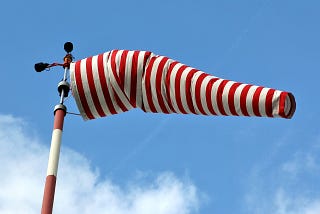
[[65, 73], [62, 97], [63, 92]]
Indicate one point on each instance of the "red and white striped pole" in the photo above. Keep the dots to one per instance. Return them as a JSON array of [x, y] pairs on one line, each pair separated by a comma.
[[60, 111], [50, 185]]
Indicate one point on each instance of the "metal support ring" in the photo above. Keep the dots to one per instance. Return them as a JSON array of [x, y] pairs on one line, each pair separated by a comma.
[[65, 86], [60, 107]]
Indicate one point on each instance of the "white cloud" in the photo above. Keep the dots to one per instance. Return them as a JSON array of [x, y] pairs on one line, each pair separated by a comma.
[[79, 189]]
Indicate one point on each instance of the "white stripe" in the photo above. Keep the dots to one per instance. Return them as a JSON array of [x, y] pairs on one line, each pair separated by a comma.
[[262, 101], [193, 90], [54, 152], [144, 96], [106, 57], [173, 97], [153, 83], [75, 92], [203, 88], [107, 74], [225, 97], [116, 86], [117, 62], [128, 72], [164, 82], [275, 103], [237, 97], [86, 88], [144, 88], [183, 94], [249, 99], [97, 84], [214, 91], [140, 72]]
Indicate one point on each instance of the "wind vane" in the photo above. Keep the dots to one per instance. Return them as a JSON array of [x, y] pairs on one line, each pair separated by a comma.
[[119, 80]]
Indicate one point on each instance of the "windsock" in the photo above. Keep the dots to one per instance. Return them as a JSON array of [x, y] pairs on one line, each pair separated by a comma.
[[119, 80]]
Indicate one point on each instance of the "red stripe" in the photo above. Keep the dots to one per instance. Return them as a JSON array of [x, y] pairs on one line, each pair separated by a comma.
[[122, 68], [81, 90], [188, 89], [198, 92], [177, 88], [133, 89], [159, 84], [104, 86], [148, 84], [243, 100], [219, 96], [113, 61], [231, 93], [168, 86], [209, 95], [282, 103], [145, 60], [58, 119], [92, 88], [269, 103], [255, 101], [119, 102], [48, 196]]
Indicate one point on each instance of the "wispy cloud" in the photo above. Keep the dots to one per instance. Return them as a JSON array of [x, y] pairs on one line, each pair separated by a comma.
[[23, 161], [286, 183], [285, 203]]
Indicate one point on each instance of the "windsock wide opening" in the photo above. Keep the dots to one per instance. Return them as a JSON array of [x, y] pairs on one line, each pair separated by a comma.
[[290, 106]]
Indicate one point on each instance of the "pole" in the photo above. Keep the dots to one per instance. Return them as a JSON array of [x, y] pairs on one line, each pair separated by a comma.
[[50, 185], [59, 114]]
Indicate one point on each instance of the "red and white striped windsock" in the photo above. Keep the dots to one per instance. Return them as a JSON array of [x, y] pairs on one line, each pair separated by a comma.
[[119, 80]]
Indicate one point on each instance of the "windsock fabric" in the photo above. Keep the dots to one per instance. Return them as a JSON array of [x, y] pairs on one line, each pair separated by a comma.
[[119, 80]]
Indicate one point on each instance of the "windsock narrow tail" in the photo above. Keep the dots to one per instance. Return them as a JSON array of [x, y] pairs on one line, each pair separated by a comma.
[[120, 80]]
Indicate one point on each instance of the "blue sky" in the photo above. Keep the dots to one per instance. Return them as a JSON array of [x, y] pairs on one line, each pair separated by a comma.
[[193, 164]]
